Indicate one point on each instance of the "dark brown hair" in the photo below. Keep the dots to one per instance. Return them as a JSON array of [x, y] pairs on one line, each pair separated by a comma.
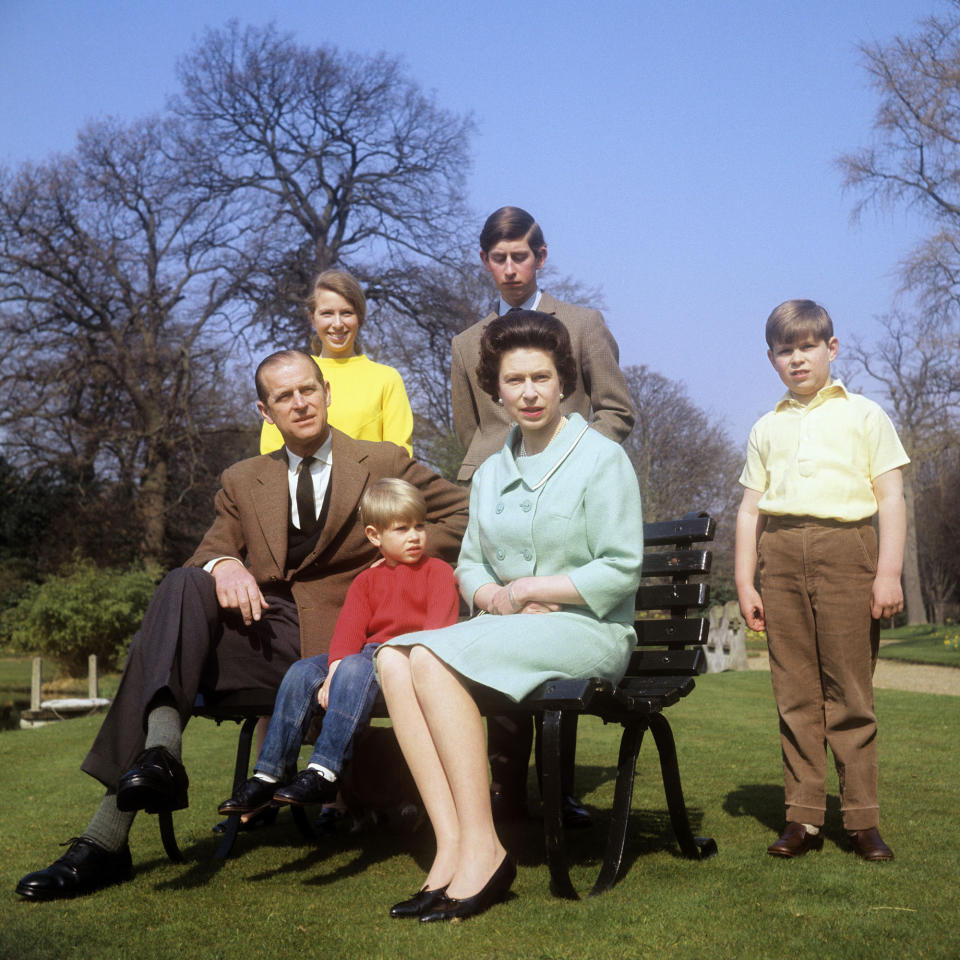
[[530, 329], [511, 223]]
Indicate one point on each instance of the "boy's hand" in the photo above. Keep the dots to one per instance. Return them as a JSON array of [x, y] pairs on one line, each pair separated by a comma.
[[751, 606], [323, 694], [886, 598]]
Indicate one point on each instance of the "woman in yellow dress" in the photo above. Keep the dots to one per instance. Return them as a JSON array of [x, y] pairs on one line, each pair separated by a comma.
[[368, 400]]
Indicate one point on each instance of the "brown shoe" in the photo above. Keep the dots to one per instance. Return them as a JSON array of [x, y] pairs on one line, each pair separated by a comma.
[[869, 845], [795, 842]]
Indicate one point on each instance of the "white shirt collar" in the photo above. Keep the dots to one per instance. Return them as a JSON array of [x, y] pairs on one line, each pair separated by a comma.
[[323, 455], [531, 303]]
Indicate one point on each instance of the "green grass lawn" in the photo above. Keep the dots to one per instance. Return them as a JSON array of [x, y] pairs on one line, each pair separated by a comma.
[[923, 644], [278, 897]]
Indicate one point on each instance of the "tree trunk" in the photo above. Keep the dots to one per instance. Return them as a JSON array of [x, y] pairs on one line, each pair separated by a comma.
[[912, 593], [152, 505]]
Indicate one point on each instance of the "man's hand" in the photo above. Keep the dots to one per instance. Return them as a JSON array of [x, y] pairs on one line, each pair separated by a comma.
[[323, 694], [237, 589]]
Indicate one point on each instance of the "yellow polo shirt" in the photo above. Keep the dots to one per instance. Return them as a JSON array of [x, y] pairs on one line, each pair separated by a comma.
[[820, 459]]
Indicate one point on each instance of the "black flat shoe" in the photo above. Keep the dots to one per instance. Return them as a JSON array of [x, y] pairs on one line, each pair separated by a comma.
[[157, 782], [307, 787], [421, 901], [252, 796], [85, 867], [493, 892]]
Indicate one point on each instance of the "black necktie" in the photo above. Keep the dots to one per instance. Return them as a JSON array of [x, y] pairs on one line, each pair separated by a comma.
[[306, 504]]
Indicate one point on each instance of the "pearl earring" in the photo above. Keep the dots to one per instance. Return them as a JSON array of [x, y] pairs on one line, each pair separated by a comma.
[[500, 401], [561, 396]]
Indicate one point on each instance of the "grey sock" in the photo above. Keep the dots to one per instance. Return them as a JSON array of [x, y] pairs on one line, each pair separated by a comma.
[[163, 729], [109, 826]]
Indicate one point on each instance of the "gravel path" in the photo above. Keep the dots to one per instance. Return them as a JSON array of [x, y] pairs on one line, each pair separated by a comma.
[[896, 675]]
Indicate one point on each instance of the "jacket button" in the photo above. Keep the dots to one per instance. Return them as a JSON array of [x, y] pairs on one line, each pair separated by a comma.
[[500, 507], [526, 506], [528, 554], [500, 554]]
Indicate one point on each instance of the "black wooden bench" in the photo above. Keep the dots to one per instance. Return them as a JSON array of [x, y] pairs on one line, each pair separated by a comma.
[[669, 654]]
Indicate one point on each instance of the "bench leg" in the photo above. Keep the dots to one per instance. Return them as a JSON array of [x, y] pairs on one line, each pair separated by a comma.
[[240, 770], [169, 838], [630, 744], [696, 848], [556, 844]]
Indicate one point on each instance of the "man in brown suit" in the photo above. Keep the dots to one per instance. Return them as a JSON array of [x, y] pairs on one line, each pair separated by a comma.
[[513, 250], [263, 589]]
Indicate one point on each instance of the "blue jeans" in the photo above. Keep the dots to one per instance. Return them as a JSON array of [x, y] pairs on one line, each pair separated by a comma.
[[352, 693]]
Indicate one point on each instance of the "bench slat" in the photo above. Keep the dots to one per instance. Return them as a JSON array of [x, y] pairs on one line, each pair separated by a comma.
[[673, 596], [676, 563], [691, 528], [659, 632], [662, 662]]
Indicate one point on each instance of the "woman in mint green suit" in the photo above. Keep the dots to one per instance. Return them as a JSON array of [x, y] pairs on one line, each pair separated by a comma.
[[551, 564]]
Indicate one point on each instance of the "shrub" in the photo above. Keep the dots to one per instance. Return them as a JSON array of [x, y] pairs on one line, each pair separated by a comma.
[[82, 610]]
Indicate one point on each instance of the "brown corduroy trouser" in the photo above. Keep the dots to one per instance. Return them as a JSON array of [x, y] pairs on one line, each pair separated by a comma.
[[816, 578]]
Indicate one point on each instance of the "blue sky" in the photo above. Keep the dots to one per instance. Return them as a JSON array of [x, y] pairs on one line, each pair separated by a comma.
[[679, 155]]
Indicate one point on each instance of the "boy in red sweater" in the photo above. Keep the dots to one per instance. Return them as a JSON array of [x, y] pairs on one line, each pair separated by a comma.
[[408, 591]]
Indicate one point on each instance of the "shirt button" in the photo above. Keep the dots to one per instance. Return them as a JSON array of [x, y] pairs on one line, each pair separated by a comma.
[[500, 507], [528, 554], [525, 506], [500, 554]]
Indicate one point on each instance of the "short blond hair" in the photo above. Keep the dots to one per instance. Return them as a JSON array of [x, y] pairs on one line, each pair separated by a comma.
[[389, 500], [795, 319]]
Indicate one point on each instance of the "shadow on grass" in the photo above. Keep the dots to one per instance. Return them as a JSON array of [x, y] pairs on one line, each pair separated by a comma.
[[649, 832], [764, 802]]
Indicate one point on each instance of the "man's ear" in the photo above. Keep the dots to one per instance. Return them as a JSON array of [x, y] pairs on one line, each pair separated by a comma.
[[372, 534], [540, 258], [264, 411]]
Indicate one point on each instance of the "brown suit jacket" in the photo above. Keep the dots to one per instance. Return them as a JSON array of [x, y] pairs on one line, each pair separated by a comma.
[[252, 515], [482, 425]]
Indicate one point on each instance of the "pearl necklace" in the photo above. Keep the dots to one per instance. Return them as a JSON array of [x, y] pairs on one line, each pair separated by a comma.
[[522, 452]]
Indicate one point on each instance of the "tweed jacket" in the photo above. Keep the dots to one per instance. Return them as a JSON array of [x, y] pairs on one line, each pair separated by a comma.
[[482, 425], [253, 511]]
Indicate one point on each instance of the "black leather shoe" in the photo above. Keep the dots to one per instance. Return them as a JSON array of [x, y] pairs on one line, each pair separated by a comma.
[[795, 842], [307, 787], [85, 867], [420, 902], [157, 782], [493, 892], [251, 796], [575, 815]]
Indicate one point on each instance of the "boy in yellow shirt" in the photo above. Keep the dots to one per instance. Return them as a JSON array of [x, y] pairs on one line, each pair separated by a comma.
[[819, 466]]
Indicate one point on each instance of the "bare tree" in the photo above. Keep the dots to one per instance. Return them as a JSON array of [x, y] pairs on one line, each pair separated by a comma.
[[116, 275], [915, 160], [352, 164], [916, 368], [683, 460]]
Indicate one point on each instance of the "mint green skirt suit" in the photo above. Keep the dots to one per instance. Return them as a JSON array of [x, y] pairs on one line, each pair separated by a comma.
[[574, 508]]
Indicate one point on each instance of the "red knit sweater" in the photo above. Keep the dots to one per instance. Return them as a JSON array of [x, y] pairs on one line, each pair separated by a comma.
[[385, 602]]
